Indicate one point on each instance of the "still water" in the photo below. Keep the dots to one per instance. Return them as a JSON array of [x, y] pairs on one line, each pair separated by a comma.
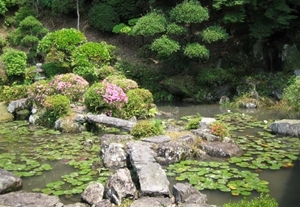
[[284, 184]]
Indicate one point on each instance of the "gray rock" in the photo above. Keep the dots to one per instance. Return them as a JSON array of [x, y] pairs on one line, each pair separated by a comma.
[[157, 139], [224, 99], [221, 149], [297, 72], [206, 135], [76, 205], [140, 154], [93, 193], [17, 105], [106, 139], [111, 121], [33, 118], [9, 182], [114, 156], [103, 203], [120, 186], [67, 125], [249, 105], [206, 122], [153, 180], [26, 199], [152, 202], [186, 193], [80, 118], [290, 127]]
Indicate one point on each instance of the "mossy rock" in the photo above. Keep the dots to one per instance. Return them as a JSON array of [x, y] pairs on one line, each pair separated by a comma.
[[180, 85], [5, 115]]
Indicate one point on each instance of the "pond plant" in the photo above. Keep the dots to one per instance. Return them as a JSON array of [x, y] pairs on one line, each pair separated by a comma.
[[262, 200], [240, 175], [28, 151]]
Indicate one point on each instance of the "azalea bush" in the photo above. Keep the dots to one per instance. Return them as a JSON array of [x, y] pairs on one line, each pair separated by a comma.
[[71, 85], [140, 103], [105, 97], [38, 92], [120, 80], [219, 129]]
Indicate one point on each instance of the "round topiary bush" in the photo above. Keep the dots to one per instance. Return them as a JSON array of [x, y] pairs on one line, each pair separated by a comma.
[[120, 80], [105, 98], [291, 95], [147, 128], [55, 107], [14, 61], [140, 101], [103, 17], [71, 85]]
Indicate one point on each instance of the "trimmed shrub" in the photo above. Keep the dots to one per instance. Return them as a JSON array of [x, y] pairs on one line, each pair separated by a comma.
[[140, 101], [14, 92], [106, 98], [147, 128], [14, 61], [56, 106], [103, 17], [120, 80], [71, 85]]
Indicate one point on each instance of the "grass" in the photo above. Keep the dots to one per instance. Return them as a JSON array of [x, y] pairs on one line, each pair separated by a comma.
[[262, 201]]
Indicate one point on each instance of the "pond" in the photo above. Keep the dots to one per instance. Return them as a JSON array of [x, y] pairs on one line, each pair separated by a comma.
[[61, 164]]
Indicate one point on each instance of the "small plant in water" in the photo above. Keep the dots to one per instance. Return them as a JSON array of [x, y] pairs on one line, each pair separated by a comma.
[[219, 129]]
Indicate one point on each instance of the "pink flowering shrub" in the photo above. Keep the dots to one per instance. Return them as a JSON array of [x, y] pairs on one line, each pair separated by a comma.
[[120, 80], [106, 98], [70, 85], [38, 92]]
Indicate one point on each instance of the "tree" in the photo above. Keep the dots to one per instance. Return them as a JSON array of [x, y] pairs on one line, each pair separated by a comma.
[[179, 30]]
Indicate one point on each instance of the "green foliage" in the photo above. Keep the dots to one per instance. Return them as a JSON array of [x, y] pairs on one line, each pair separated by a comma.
[[121, 81], [70, 85], [3, 43], [174, 29], [193, 123], [121, 28], [59, 45], [291, 95], [14, 61], [92, 98], [189, 11], [195, 50], [165, 46], [52, 69], [103, 17], [140, 101], [28, 34], [104, 71], [22, 13], [3, 76], [3, 8], [262, 200], [29, 75], [214, 76], [213, 34], [150, 24], [14, 92], [147, 128], [125, 8], [219, 129], [89, 56], [59, 7], [56, 106]]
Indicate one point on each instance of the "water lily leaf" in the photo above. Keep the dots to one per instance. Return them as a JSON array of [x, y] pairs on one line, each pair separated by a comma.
[[46, 167]]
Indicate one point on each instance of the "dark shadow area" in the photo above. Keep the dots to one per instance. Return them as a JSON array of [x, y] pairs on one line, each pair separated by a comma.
[[291, 196]]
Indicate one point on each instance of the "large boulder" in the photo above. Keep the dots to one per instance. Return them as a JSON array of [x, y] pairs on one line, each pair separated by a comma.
[[26, 199], [9, 182], [186, 193], [152, 202], [93, 194], [120, 186], [221, 149], [18, 105], [114, 156], [289, 127]]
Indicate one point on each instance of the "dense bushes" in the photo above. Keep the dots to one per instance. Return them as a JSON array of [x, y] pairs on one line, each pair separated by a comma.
[[147, 128], [103, 17], [14, 62], [291, 95], [262, 201]]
